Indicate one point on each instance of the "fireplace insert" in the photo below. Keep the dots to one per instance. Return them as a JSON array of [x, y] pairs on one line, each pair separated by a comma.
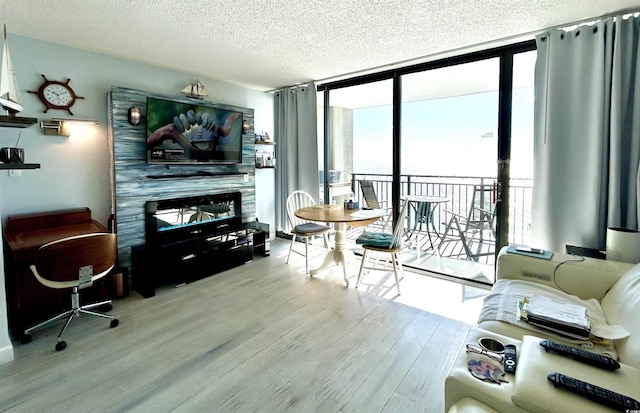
[[184, 219]]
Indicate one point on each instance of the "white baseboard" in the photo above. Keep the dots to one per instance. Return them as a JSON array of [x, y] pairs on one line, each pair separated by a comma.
[[6, 354]]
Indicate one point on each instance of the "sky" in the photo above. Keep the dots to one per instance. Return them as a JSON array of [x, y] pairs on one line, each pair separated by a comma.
[[453, 136]]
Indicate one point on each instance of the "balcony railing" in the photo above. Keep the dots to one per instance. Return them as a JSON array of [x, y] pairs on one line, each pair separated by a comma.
[[459, 191]]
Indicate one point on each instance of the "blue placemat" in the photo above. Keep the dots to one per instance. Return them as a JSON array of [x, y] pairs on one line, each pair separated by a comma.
[[544, 255]]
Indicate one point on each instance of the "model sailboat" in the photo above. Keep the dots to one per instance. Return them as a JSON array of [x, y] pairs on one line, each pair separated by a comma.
[[9, 95], [195, 90]]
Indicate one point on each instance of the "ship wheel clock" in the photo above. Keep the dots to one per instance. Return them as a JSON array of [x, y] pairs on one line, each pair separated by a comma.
[[56, 95]]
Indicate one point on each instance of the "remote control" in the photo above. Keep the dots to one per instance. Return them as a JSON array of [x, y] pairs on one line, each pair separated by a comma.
[[597, 394], [510, 360], [588, 357]]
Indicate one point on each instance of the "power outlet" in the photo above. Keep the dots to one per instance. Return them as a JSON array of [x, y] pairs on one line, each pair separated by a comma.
[[15, 172]]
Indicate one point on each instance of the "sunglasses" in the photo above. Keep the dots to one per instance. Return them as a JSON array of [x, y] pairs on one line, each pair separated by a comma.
[[472, 348]]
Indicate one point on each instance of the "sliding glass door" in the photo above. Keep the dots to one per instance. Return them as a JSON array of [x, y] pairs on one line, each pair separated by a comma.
[[440, 136], [449, 135]]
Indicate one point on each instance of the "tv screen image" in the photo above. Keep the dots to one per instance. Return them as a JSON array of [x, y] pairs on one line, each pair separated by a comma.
[[183, 133]]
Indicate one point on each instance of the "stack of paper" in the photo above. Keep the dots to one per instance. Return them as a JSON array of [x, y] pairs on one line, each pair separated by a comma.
[[563, 318]]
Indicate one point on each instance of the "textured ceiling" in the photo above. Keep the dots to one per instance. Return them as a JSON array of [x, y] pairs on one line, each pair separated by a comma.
[[265, 44]]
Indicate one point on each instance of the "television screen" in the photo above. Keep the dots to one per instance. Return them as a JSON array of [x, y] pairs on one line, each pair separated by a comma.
[[183, 133]]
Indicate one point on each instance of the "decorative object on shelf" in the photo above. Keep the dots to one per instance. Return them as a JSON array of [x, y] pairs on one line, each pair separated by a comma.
[[56, 95], [263, 138], [60, 127], [195, 90], [13, 155], [623, 245], [265, 159], [9, 92], [245, 127], [134, 116]]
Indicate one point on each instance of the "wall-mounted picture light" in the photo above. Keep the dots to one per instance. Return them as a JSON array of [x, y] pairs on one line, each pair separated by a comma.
[[60, 127]]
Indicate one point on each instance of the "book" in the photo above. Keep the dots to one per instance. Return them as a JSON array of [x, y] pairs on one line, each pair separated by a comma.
[[557, 316]]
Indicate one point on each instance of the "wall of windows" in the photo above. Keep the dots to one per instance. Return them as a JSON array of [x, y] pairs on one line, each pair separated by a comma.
[[441, 129]]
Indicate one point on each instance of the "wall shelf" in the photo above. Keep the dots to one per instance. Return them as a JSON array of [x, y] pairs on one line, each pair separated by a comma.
[[265, 143], [19, 165], [16, 121]]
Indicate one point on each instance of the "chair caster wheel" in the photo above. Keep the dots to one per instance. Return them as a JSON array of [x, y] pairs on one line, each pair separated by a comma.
[[114, 323], [25, 339], [61, 345]]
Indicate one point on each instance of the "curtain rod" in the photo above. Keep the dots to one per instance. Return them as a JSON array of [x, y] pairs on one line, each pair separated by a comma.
[[288, 87], [461, 50]]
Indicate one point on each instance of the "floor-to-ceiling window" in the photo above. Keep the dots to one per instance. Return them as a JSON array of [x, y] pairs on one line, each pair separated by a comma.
[[450, 122], [359, 140], [449, 152]]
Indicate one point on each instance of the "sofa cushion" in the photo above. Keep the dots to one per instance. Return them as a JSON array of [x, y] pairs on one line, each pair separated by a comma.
[[622, 305], [533, 391]]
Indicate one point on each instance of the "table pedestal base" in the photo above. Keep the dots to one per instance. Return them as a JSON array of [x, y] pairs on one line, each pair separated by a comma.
[[339, 256]]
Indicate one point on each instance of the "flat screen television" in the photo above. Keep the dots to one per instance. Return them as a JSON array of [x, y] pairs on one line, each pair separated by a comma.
[[192, 133]]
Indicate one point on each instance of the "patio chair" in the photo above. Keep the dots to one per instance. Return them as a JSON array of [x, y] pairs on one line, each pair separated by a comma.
[[382, 242], [301, 228], [369, 194], [371, 199], [475, 232]]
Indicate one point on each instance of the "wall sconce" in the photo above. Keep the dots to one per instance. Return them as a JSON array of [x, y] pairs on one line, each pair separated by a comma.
[[245, 127], [60, 127], [134, 116]]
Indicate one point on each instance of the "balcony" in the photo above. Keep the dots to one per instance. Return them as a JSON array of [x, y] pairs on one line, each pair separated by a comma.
[[436, 247]]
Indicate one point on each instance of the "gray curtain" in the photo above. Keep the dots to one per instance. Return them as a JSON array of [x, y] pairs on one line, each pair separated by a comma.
[[587, 133], [297, 146]]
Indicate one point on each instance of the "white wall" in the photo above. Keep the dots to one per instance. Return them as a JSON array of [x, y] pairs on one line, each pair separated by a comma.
[[75, 171]]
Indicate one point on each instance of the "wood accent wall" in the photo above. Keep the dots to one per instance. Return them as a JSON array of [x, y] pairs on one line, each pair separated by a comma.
[[131, 187]]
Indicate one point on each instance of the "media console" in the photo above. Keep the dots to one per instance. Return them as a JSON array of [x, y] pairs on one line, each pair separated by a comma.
[[191, 238]]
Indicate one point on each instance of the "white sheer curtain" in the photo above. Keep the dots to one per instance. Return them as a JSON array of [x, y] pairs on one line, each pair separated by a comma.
[[587, 133], [297, 146]]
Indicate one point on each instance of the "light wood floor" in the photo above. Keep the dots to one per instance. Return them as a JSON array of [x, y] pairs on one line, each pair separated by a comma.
[[259, 338]]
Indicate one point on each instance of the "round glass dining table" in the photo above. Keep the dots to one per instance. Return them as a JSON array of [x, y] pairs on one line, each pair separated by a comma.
[[341, 218]]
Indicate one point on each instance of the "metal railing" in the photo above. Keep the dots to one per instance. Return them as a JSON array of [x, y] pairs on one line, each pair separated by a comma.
[[459, 190]]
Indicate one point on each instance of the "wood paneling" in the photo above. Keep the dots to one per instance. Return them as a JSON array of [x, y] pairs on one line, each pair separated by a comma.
[[131, 185]]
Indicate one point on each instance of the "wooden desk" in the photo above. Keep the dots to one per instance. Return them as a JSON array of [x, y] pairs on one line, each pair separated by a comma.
[[29, 302], [340, 217]]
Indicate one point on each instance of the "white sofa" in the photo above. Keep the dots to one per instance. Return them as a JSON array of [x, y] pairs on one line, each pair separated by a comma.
[[612, 288]]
